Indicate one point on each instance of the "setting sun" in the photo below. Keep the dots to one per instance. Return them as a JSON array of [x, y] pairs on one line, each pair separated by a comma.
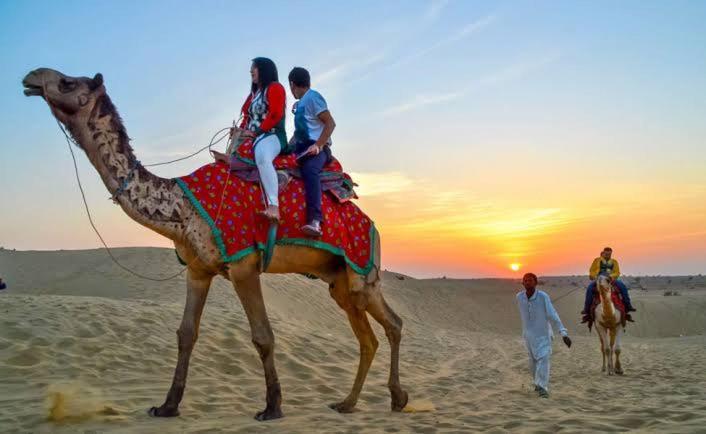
[[515, 267]]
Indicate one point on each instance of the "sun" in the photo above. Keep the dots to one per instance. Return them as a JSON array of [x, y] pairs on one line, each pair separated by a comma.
[[515, 266]]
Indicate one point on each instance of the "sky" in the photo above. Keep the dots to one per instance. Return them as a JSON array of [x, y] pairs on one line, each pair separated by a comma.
[[482, 134]]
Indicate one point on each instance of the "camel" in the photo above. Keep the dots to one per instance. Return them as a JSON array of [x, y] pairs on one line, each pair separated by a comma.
[[609, 327], [84, 107]]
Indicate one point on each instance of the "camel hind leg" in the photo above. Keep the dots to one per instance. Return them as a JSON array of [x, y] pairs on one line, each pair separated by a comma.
[[600, 338], [340, 291], [388, 319]]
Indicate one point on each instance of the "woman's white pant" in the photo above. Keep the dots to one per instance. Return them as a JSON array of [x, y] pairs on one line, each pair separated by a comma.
[[267, 148]]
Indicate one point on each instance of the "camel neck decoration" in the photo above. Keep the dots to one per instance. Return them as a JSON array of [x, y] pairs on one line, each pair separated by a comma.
[[82, 105]]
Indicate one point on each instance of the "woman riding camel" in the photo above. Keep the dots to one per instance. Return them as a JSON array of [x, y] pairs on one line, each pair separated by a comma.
[[263, 121]]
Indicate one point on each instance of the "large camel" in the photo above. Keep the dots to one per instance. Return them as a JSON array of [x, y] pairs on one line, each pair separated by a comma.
[[609, 327], [83, 106]]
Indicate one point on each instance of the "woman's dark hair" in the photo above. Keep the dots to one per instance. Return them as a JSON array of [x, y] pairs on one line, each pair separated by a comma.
[[266, 72], [300, 77]]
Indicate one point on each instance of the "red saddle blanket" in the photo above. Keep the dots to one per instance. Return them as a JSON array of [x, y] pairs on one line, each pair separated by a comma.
[[230, 206], [615, 296]]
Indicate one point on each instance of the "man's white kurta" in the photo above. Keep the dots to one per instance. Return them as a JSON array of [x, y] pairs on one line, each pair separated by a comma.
[[538, 315]]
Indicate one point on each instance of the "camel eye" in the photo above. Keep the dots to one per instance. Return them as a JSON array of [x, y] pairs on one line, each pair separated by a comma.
[[66, 85]]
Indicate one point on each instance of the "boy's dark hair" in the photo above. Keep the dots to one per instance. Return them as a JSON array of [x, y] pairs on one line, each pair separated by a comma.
[[607, 249], [532, 275], [267, 72], [300, 77]]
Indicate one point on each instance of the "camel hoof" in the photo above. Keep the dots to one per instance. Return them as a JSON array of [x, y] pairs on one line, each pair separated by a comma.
[[619, 371], [399, 402], [269, 414], [342, 407], [163, 412]]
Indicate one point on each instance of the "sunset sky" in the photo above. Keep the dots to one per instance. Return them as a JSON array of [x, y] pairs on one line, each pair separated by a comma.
[[482, 134]]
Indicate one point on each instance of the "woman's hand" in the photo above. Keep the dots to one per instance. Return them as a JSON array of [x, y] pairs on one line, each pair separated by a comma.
[[242, 132], [247, 134], [219, 156]]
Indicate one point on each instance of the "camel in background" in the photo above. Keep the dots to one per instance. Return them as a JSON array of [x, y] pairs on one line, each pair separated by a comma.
[[609, 326]]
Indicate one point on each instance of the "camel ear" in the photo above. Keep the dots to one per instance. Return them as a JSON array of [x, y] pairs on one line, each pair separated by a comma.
[[97, 81]]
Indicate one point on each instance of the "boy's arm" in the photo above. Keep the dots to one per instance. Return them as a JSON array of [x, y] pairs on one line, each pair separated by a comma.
[[616, 270], [329, 126]]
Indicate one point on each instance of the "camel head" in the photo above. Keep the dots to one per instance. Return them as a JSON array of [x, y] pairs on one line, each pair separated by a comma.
[[604, 286], [70, 99]]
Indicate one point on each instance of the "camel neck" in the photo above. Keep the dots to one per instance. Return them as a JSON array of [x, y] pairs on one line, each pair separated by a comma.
[[152, 201]]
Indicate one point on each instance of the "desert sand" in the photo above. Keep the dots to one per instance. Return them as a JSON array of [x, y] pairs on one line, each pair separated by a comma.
[[86, 347]]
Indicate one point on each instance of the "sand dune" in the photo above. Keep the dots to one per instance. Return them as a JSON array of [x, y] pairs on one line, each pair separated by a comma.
[[86, 347]]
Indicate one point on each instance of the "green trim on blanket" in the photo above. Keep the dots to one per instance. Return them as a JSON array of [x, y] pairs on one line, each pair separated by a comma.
[[305, 242]]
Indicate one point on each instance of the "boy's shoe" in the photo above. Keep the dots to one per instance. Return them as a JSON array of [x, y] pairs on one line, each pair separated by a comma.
[[313, 229], [542, 393]]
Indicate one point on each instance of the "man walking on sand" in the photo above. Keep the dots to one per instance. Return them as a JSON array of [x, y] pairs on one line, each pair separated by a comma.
[[538, 315]]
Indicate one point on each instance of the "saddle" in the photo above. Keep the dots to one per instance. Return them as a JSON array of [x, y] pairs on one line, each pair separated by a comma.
[[333, 179], [617, 301]]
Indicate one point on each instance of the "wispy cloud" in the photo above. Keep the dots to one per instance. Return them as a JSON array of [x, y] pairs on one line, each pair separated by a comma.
[[465, 31], [374, 184], [462, 33], [510, 73], [436, 7], [338, 72]]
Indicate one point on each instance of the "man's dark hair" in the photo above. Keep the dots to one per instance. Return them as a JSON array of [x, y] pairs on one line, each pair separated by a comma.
[[607, 249], [300, 77], [532, 275], [266, 72]]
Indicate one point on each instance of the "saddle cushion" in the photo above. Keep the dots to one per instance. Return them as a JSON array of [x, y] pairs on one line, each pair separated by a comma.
[[230, 206], [333, 179]]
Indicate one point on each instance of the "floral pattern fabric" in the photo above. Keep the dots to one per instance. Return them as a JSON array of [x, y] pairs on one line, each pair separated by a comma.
[[230, 205]]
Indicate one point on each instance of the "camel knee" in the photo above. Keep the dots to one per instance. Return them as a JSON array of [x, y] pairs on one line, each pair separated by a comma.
[[264, 342], [186, 337], [369, 347], [394, 331]]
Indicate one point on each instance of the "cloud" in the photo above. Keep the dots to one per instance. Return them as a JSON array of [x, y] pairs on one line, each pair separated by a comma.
[[435, 9], [510, 73], [465, 31], [375, 184]]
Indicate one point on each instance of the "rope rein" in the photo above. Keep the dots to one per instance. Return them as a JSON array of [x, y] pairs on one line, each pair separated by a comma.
[[562, 296]]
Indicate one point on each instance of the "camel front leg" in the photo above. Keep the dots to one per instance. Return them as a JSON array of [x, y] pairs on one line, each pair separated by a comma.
[[618, 366], [605, 350], [197, 285], [250, 293], [611, 346], [366, 338], [388, 319]]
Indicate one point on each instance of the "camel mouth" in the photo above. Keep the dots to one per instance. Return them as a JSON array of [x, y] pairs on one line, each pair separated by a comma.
[[33, 90], [33, 85]]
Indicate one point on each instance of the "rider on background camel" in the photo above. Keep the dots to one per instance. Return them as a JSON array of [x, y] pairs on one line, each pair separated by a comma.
[[607, 266]]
